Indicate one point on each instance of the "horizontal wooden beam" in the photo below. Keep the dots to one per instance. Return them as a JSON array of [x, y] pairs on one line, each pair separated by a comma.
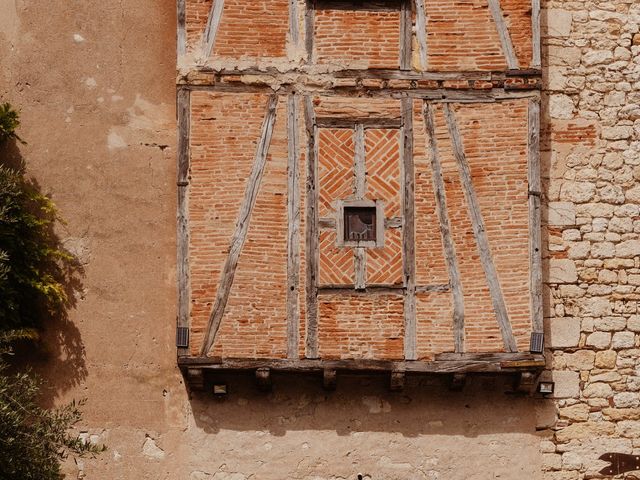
[[464, 363], [352, 122]]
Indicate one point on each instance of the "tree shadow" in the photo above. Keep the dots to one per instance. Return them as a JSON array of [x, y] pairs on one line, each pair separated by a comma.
[[58, 355]]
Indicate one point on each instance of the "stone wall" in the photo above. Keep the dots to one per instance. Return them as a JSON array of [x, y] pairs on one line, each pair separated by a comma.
[[593, 232]]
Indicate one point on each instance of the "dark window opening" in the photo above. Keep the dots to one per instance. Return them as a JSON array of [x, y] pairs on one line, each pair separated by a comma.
[[359, 224]]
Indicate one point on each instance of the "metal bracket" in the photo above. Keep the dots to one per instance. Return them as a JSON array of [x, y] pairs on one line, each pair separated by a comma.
[[620, 463]]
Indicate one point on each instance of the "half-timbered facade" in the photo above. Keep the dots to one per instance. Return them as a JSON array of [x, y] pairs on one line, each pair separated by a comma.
[[359, 186]]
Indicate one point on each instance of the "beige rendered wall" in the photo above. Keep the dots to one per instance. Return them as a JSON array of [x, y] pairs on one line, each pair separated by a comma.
[[95, 82]]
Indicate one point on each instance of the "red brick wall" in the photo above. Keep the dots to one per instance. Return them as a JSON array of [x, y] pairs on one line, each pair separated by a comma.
[[369, 38], [253, 29], [461, 35], [225, 129], [224, 133], [358, 326], [495, 140]]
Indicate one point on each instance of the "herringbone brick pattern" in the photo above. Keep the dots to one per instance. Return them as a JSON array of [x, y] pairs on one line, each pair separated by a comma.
[[336, 263], [384, 265], [382, 153], [335, 168]]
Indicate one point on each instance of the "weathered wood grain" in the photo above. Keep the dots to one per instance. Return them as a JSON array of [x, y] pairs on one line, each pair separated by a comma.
[[536, 61], [242, 226], [359, 167], [352, 122], [360, 267], [309, 28], [184, 291], [505, 363], [535, 226], [421, 33], [294, 31], [445, 230], [503, 33], [482, 242], [406, 22], [408, 230], [293, 230], [211, 30], [311, 223], [182, 30]]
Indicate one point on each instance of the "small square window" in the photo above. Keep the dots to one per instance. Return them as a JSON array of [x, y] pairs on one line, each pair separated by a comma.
[[359, 224]]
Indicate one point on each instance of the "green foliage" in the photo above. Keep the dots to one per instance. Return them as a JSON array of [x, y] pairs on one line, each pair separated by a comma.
[[35, 272], [33, 440], [9, 122], [33, 266]]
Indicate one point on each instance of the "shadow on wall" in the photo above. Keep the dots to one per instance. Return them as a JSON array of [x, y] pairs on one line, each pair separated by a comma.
[[364, 404], [58, 357]]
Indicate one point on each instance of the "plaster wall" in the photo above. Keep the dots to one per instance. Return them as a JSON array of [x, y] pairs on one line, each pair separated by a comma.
[[95, 82]]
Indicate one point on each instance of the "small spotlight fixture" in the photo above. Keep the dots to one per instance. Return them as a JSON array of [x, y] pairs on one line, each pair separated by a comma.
[[546, 388], [220, 390]]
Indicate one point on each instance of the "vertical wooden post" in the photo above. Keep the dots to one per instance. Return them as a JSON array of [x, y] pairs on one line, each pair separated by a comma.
[[536, 61], [406, 23], [445, 230], [408, 230], [184, 120], [482, 241], [421, 33], [311, 223], [293, 221], [535, 227], [309, 28], [182, 30], [294, 33]]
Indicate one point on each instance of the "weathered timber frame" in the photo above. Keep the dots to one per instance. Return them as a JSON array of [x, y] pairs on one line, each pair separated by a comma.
[[417, 90]]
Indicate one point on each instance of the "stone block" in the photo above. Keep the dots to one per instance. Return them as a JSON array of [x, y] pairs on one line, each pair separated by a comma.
[[626, 400], [633, 323], [559, 22], [585, 430], [567, 384], [561, 213], [623, 340], [610, 324], [597, 390], [599, 340], [561, 106], [580, 360], [578, 192], [629, 429], [562, 271], [564, 332]]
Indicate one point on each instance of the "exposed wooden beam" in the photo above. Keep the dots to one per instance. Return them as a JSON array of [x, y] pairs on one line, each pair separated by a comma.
[[211, 30], [408, 230], [359, 167], [360, 267], [294, 31], [242, 226], [477, 223], [393, 222], [421, 33], [397, 381], [445, 230], [263, 379], [495, 363], [503, 33], [329, 379], [311, 223], [436, 288], [184, 291], [351, 123], [309, 28], [536, 61], [535, 226], [293, 229], [406, 22], [182, 30]]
